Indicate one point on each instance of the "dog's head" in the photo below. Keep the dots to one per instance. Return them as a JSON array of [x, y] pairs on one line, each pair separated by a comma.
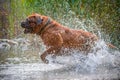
[[33, 23]]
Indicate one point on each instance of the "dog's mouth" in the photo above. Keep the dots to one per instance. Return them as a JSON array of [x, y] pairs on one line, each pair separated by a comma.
[[27, 31]]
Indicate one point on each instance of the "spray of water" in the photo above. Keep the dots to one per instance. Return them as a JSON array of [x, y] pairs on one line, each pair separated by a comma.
[[24, 51], [101, 57]]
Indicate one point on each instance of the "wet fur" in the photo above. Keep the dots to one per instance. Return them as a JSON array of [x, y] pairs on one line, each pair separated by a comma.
[[56, 36]]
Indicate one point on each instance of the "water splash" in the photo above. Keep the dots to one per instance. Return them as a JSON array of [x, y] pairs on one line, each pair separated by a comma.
[[100, 57], [20, 56], [101, 63]]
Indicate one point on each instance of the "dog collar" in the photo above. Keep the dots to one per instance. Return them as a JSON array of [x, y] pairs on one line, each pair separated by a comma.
[[41, 30]]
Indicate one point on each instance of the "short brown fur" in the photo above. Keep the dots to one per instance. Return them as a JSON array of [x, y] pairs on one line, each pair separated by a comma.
[[56, 36]]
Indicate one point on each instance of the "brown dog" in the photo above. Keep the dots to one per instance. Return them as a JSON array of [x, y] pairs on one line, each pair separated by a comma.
[[56, 36]]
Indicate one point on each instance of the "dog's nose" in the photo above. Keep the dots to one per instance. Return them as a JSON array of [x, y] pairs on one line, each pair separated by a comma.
[[23, 24]]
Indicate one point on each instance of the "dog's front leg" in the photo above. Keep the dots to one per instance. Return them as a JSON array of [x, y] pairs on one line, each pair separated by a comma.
[[51, 50]]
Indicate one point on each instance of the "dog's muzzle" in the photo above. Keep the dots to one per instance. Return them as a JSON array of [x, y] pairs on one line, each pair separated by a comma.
[[27, 27], [23, 24]]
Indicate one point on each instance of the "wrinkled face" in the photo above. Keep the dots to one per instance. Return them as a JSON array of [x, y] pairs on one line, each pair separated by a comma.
[[31, 23]]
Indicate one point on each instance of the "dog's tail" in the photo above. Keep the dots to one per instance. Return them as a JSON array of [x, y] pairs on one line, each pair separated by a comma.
[[111, 46]]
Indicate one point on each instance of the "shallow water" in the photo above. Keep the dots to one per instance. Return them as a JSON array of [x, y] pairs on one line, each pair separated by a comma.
[[21, 61], [35, 72]]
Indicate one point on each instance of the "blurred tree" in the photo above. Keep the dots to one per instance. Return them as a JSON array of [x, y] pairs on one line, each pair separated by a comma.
[[4, 24]]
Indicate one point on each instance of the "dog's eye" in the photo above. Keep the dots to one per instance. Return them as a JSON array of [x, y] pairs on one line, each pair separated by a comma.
[[31, 21]]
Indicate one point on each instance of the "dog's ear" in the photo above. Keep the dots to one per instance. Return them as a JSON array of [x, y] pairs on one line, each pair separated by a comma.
[[38, 20]]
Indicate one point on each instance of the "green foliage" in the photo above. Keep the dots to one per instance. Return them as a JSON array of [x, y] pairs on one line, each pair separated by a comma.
[[105, 12]]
